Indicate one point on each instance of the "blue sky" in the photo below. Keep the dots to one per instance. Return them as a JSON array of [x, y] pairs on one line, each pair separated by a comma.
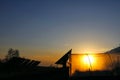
[[48, 28]]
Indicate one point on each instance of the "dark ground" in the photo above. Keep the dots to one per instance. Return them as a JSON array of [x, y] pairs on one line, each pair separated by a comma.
[[51, 73], [12, 71]]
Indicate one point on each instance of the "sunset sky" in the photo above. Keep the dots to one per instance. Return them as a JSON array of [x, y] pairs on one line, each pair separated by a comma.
[[46, 29]]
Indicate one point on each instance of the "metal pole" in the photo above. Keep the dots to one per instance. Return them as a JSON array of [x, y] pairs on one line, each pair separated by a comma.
[[89, 62]]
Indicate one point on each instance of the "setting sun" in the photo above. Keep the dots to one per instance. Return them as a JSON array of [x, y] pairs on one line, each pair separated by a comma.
[[88, 60], [92, 62]]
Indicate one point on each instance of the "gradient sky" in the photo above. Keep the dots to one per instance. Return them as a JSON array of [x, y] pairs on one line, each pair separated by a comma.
[[46, 29]]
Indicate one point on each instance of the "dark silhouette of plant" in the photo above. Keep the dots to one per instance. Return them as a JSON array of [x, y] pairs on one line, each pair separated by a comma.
[[12, 53]]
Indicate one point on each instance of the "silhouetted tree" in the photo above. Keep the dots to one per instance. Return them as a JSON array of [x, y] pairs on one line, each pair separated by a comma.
[[12, 53], [15, 54], [9, 55]]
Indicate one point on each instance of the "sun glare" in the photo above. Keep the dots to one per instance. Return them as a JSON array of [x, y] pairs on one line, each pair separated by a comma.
[[90, 62], [88, 59]]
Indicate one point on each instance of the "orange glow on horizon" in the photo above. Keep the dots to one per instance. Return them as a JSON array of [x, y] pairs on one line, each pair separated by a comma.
[[92, 62], [88, 52]]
